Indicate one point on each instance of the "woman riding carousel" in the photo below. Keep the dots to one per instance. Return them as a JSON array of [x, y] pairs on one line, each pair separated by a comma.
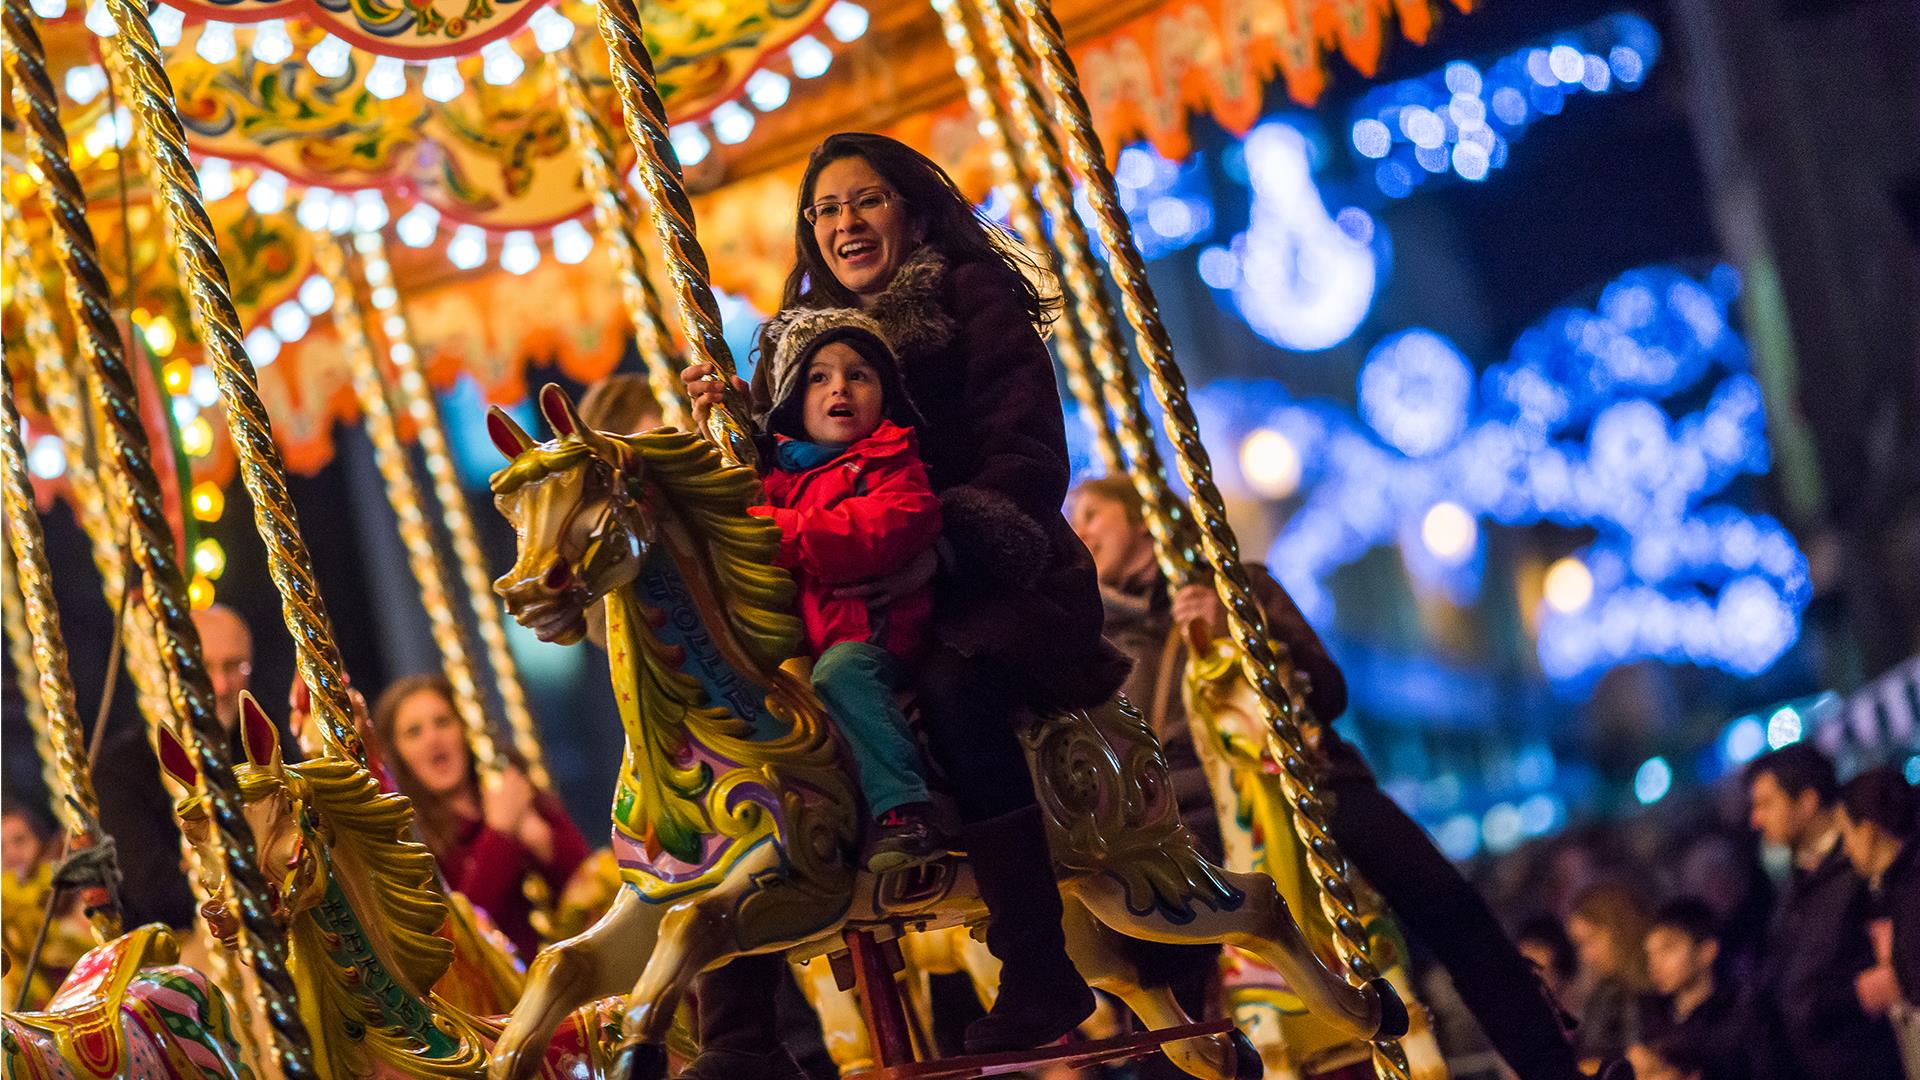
[[1016, 613]]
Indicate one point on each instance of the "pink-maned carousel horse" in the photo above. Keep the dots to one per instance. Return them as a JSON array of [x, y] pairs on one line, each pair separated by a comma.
[[735, 817], [127, 1009], [367, 923]]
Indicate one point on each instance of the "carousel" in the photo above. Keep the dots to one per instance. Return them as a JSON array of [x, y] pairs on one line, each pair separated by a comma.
[[233, 224]]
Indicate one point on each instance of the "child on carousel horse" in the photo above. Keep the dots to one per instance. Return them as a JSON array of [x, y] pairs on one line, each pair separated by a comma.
[[845, 483]]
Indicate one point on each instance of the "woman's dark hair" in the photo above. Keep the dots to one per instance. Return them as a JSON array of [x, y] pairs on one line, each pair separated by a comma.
[[1546, 930], [1115, 489], [1690, 916], [933, 203], [1883, 797], [439, 824]]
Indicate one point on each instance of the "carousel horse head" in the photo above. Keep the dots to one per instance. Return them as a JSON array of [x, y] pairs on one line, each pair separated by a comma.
[[334, 849], [571, 500]]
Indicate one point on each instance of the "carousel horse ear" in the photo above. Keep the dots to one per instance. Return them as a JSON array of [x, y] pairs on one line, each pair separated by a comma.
[[558, 410], [257, 733], [175, 759], [509, 436]]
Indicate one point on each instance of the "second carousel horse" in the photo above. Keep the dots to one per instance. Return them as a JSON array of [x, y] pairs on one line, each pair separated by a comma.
[[735, 817], [367, 923], [1256, 831], [127, 1009]]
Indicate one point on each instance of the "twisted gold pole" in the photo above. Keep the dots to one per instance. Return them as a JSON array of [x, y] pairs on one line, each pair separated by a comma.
[[95, 492], [613, 213], [1244, 614], [1015, 180], [646, 118], [403, 494], [164, 590], [13, 607], [1173, 544], [69, 774], [416, 397]]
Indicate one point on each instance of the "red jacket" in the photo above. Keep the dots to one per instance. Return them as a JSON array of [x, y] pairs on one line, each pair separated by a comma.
[[869, 511], [491, 868]]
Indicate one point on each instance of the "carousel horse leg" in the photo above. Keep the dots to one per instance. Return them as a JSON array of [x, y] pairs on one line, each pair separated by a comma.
[[603, 960], [693, 936], [1264, 926], [841, 1025], [1101, 956]]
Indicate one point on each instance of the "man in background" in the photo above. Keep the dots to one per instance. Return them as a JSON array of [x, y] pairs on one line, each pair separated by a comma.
[[1819, 942]]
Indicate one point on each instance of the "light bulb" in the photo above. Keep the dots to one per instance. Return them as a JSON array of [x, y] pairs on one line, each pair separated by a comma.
[[316, 207], [263, 346], [271, 44], [518, 253], [49, 9], [499, 64], [387, 78], [331, 58], [468, 248], [166, 22], [551, 30], [731, 123], [316, 295], [846, 20], [85, 82], [690, 144], [268, 193], [369, 210], [810, 57], [417, 226], [216, 43], [100, 21], [443, 81], [571, 242], [768, 90], [290, 321]]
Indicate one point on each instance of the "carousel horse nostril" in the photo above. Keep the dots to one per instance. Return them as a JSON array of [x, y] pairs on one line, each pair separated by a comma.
[[1393, 1012], [559, 576]]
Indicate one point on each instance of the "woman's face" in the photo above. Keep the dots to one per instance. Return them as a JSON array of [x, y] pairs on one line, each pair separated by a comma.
[[430, 743], [1112, 539], [861, 225]]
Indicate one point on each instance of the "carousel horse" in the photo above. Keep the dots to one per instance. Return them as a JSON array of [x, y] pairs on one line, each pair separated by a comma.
[[952, 951], [1256, 832], [367, 923], [735, 818], [127, 1009]]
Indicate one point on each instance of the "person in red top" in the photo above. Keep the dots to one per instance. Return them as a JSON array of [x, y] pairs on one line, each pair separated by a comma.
[[845, 483], [489, 839]]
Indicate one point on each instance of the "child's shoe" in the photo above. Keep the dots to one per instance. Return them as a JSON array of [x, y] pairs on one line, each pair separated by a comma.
[[906, 836]]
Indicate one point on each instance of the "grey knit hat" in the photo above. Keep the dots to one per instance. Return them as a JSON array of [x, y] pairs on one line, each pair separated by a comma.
[[799, 334]]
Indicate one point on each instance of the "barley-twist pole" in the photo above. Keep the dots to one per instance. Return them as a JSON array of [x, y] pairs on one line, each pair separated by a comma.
[[69, 773], [672, 212], [1244, 614], [617, 221], [1017, 182], [95, 492], [403, 494], [20, 650], [416, 397], [1165, 518]]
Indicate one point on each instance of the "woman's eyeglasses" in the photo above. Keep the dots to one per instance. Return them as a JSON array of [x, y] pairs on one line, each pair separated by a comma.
[[867, 202]]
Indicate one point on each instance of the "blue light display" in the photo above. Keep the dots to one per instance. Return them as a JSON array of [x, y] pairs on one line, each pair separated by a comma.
[[1460, 121], [1584, 425]]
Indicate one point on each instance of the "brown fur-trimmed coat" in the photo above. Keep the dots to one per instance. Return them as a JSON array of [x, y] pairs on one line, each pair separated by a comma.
[[1020, 588]]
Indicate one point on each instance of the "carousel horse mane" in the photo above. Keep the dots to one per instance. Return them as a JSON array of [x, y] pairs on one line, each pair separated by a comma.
[[710, 500]]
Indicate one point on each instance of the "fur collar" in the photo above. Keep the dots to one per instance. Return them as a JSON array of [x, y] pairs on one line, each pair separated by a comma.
[[911, 311]]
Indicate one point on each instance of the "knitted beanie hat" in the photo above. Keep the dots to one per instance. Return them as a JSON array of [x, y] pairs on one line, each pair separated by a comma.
[[801, 334]]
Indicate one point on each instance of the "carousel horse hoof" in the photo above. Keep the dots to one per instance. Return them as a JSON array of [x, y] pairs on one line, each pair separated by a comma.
[[641, 1061], [1246, 1059], [1394, 1020]]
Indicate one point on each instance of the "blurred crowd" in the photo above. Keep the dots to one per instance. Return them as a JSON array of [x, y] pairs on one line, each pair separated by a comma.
[[1786, 949]]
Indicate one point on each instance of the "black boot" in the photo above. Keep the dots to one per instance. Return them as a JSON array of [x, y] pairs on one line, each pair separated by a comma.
[[739, 1036], [1042, 996]]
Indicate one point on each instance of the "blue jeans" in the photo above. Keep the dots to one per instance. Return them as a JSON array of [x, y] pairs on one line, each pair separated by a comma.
[[856, 681]]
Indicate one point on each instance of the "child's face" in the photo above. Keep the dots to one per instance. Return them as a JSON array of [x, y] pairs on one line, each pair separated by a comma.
[[20, 847], [843, 395], [1674, 959]]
